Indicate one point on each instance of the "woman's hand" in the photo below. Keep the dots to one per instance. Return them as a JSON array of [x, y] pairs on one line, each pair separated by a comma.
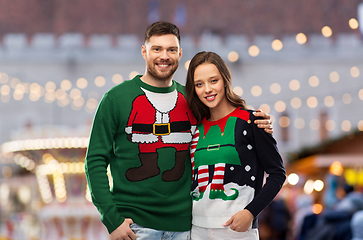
[[241, 221], [265, 123]]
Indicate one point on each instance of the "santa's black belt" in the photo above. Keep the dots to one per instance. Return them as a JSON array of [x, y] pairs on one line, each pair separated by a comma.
[[162, 128]]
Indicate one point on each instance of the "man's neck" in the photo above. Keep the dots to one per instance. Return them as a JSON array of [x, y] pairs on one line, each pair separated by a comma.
[[148, 79]]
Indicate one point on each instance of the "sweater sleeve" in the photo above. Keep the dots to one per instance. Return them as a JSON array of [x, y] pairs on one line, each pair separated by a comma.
[[99, 153], [271, 162]]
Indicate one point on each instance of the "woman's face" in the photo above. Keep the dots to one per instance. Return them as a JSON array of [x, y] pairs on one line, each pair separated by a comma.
[[209, 86]]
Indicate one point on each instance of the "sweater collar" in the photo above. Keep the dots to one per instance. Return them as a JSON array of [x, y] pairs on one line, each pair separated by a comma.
[[152, 88]]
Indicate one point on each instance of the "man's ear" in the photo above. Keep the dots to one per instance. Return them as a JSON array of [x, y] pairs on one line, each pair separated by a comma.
[[143, 51], [180, 53]]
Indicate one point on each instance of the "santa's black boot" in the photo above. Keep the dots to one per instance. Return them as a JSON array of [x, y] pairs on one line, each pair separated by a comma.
[[149, 168], [177, 171]]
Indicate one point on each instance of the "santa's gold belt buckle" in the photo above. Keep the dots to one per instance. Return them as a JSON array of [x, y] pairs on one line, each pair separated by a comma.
[[159, 129], [213, 147]]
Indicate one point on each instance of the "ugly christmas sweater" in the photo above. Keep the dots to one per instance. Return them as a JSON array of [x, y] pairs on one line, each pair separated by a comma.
[[143, 134], [229, 157]]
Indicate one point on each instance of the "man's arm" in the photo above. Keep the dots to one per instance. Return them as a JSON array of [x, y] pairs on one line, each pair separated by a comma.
[[265, 123], [99, 153]]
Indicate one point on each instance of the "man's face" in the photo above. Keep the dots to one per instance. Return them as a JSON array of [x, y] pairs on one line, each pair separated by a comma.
[[162, 54]]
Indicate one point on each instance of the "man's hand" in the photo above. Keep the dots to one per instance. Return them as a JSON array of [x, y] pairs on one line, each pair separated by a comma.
[[241, 221], [124, 232], [265, 123]]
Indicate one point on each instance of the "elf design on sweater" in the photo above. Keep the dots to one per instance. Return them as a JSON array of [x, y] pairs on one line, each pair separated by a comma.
[[158, 121], [229, 158]]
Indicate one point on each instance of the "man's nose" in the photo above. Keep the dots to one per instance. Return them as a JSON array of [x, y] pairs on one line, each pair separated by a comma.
[[164, 54]]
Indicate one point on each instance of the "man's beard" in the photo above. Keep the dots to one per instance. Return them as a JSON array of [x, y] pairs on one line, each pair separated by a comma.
[[162, 76]]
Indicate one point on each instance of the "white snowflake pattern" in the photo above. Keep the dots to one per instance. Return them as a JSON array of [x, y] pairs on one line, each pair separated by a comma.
[[248, 168], [253, 178], [249, 146]]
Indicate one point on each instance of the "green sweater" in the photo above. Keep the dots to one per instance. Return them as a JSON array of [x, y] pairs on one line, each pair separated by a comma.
[[126, 137]]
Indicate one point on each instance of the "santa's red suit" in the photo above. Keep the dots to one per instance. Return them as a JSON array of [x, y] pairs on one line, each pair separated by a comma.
[[157, 122]]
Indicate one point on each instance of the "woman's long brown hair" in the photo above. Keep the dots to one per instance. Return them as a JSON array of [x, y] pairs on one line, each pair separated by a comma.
[[199, 109]]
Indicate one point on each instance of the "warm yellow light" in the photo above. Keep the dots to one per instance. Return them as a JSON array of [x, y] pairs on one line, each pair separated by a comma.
[[275, 88], [78, 102], [353, 23], [329, 101], [326, 31], [301, 38], [82, 83], [18, 94], [265, 107], [60, 94], [360, 94], [346, 125], [354, 71], [233, 56], [309, 186], [294, 85], [318, 185], [360, 125], [284, 121], [75, 93], [5, 90], [280, 106], [66, 85], [50, 86], [295, 102], [253, 51], [14, 82], [347, 98], [334, 76], [117, 78], [312, 102], [330, 125], [336, 168], [92, 103], [317, 208], [4, 78], [314, 81], [299, 123], [133, 74], [277, 45], [256, 91], [100, 81], [293, 179], [238, 90]]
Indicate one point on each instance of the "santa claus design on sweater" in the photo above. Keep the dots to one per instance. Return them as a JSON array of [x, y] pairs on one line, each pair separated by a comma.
[[160, 120]]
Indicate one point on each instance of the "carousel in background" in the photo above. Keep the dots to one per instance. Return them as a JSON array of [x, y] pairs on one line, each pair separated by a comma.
[[52, 187]]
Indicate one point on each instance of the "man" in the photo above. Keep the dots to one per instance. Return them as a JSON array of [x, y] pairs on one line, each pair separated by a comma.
[[142, 129]]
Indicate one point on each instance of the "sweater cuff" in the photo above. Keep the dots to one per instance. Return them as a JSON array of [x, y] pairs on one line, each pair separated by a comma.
[[112, 222]]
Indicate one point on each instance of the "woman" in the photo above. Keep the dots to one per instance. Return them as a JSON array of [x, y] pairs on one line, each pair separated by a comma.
[[229, 156]]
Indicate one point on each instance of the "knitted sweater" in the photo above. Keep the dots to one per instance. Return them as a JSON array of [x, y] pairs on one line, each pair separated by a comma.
[[141, 132], [229, 158]]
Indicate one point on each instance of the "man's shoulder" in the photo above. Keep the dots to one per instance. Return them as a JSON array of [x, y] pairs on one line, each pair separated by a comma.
[[125, 86], [179, 87]]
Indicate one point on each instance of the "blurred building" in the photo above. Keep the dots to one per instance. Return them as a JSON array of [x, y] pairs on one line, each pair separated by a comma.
[[301, 61]]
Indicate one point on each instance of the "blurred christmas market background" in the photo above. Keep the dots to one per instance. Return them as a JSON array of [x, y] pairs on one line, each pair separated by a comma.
[[300, 61]]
